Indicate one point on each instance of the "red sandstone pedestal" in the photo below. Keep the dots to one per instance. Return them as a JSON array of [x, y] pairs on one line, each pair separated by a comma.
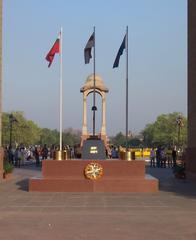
[[118, 176]]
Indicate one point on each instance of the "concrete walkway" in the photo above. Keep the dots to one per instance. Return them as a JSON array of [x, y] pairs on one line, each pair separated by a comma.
[[169, 214]]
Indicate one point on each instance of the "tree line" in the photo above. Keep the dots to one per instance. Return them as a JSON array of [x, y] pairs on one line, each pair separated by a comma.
[[166, 130], [27, 132]]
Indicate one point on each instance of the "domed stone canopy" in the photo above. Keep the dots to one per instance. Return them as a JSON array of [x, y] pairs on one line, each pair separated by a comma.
[[89, 84], [100, 89]]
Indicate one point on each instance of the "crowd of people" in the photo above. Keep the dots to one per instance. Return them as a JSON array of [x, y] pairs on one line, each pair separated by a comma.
[[20, 155], [161, 157]]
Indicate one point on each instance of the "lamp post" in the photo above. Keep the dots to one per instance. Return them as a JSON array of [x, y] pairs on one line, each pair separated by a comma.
[[179, 125], [12, 119]]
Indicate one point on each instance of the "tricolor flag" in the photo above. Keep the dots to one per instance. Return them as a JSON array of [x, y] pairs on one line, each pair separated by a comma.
[[87, 50], [120, 52], [55, 49]]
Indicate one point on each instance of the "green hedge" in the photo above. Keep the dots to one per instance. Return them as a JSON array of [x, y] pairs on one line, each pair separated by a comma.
[[8, 167]]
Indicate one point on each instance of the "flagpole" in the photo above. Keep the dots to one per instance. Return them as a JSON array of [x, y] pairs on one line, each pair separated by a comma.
[[61, 90], [126, 46], [94, 107]]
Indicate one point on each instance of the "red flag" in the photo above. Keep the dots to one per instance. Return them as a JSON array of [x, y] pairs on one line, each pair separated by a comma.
[[55, 49]]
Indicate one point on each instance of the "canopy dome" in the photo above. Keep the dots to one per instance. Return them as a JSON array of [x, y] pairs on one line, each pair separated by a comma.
[[99, 84]]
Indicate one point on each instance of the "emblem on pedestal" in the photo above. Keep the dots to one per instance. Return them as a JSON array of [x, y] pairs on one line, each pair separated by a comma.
[[93, 171]]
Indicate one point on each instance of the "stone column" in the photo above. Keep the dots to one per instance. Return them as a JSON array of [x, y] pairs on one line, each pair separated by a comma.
[[1, 149], [103, 127], [84, 124], [191, 150]]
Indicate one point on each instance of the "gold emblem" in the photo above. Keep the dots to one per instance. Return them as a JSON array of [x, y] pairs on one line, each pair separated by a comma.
[[93, 171]]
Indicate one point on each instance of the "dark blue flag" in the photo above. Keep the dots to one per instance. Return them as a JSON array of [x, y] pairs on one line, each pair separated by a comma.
[[120, 52], [87, 50]]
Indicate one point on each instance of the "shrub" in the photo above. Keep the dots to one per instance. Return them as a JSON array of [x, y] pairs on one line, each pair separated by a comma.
[[8, 167]]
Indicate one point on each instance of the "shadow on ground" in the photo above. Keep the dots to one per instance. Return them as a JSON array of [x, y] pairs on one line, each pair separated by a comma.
[[24, 173], [168, 182], [23, 185]]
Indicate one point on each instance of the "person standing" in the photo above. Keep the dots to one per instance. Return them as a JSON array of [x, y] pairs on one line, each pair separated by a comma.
[[169, 157], [44, 152], [22, 156], [152, 157], [17, 157], [174, 156], [158, 156], [11, 155], [163, 158], [36, 155]]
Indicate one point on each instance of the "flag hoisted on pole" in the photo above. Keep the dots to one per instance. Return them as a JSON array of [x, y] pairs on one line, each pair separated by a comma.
[[124, 45], [87, 56], [120, 52], [57, 48], [88, 48]]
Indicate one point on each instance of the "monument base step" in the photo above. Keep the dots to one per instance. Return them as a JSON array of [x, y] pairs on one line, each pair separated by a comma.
[[148, 184], [117, 176]]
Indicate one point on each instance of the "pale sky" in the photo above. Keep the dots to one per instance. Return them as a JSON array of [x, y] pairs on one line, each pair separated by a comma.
[[157, 59]]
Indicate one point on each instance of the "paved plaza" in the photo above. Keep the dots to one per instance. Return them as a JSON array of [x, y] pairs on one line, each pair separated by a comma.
[[169, 214]]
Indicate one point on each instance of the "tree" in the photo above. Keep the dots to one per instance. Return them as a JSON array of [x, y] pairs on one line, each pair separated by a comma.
[[49, 137], [23, 131], [26, 132], [148, 134], [164, 130], [134, 142], [71, 137], [118, 140]]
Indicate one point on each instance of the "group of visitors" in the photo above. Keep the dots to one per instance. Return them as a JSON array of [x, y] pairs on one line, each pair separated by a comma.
[[112, 152], [20, 155], [161, 157]]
